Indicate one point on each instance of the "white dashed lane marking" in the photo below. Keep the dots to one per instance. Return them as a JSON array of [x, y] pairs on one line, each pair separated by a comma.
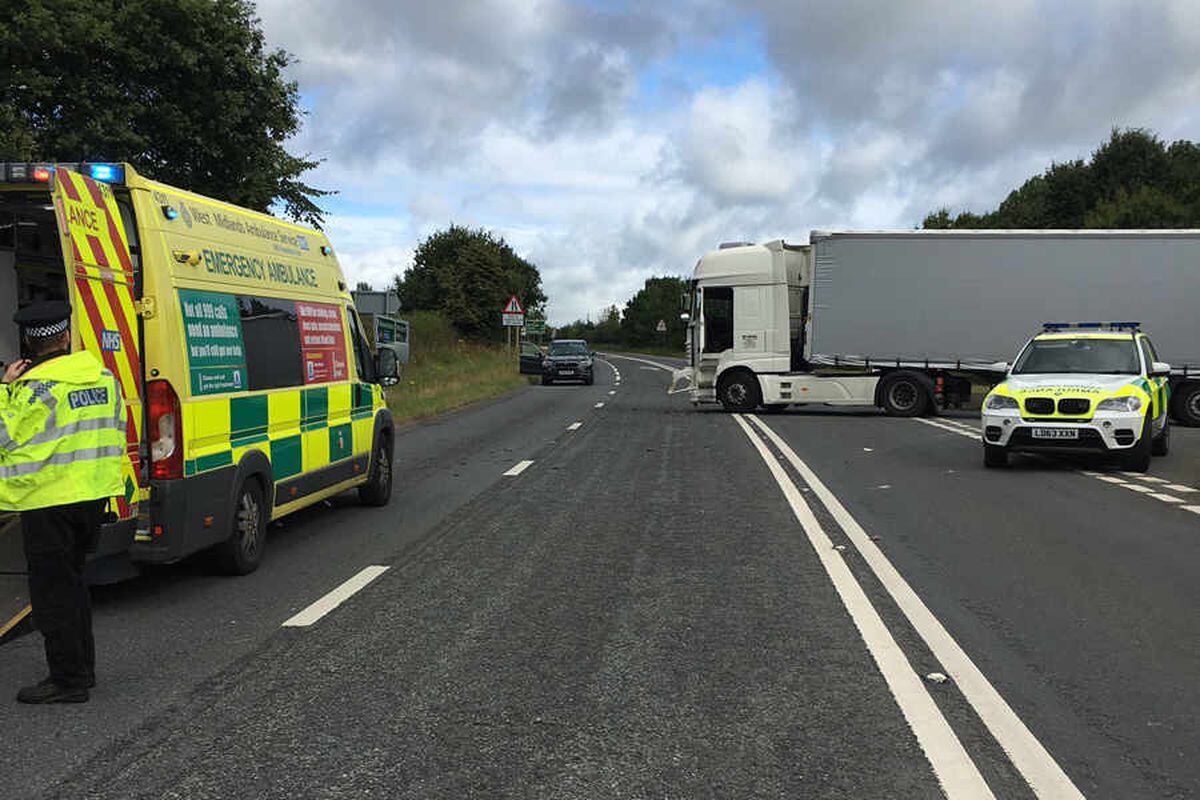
[[600, 405], [1157, 488], [335, 598], [518, 468], [574, 426]]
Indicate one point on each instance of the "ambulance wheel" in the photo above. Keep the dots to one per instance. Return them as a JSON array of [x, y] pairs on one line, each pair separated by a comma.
[[739, 392], [378, 488], [1137, 458], [1162, 442], [905, 395], [994, 456], [242, 552]]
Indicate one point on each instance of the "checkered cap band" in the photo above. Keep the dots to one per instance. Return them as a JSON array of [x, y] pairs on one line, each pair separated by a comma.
[[46, 331]]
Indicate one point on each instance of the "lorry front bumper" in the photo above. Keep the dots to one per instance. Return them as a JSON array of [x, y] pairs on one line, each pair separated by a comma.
[[1105, 432]]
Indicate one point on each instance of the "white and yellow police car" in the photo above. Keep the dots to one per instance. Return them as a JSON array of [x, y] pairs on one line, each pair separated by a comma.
[[1082, 388]]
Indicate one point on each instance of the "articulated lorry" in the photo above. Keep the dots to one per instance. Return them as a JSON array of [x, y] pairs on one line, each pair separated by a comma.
[[909, 321]]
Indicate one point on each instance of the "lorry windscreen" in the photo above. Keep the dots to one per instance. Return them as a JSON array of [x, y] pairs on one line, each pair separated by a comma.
[[1098, 356]]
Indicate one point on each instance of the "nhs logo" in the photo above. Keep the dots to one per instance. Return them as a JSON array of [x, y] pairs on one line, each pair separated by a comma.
[[110, 341]]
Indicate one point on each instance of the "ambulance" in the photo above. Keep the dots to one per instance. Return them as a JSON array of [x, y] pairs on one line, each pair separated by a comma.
[[1089, 388], [250, 385]]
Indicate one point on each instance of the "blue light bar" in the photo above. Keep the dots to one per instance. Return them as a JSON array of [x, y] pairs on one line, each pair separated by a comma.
[[1091, 326], [109, 173]]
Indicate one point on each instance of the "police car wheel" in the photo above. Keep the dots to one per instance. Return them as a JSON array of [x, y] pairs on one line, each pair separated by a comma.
[[994, 456], [242, 552], [378, 488]]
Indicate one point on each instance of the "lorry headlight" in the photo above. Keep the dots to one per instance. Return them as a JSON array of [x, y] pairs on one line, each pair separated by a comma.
[[998, 402], [1129, 402]]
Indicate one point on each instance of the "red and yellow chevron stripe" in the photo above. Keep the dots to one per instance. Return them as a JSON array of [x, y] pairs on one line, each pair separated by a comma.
[[104, 317]]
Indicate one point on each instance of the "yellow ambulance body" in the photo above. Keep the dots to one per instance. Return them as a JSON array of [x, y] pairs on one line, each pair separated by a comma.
[[251, 387]]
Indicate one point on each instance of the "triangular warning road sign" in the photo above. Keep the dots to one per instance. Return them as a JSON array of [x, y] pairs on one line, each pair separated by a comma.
[[514, 306]]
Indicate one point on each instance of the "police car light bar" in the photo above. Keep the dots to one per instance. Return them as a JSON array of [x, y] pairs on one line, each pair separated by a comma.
[[1051, 327], [18, 172]]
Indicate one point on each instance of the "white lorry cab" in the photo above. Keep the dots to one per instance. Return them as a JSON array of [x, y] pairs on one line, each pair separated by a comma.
[[910, 321]]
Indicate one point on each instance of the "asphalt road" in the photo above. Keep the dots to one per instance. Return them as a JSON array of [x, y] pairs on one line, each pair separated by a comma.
[[662, 602]]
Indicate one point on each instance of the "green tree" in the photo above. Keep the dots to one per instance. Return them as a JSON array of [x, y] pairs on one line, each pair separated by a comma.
[[658, 299], [468, 275], [1132, 180], [186, 90]]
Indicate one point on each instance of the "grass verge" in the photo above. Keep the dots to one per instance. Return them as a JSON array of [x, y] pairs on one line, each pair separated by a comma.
[[445, 372]]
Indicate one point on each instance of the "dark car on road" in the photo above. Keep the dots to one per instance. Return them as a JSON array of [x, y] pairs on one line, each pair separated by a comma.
[[568, 360]]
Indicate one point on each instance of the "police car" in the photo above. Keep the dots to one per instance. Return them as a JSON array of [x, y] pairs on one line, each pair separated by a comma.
[[1084, 388]]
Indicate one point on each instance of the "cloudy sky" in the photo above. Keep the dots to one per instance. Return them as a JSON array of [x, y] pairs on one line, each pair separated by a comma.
[[612, 141]]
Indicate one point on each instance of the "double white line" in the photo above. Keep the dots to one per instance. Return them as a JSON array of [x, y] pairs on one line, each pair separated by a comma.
[[955, 770]]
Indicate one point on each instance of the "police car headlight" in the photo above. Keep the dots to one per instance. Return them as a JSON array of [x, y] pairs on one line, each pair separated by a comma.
[[999, 402], [1129, 402]]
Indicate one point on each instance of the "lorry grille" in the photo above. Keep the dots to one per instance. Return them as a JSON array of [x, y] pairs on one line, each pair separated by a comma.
[[1039, 405], [1074, 405]]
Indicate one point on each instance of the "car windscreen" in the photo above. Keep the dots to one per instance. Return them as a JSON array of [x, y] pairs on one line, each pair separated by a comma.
[[1104, 356], [568, 349]]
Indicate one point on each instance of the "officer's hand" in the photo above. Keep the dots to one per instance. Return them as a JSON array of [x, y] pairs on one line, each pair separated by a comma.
[[14, 370]]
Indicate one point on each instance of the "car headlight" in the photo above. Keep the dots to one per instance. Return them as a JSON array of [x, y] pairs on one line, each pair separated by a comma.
[[998, 402], [1129, 402]]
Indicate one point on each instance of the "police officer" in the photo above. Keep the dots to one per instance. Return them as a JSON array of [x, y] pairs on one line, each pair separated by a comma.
[[62, 441]]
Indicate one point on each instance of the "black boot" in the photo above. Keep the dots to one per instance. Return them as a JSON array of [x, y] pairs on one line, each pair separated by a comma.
[[50, 692]]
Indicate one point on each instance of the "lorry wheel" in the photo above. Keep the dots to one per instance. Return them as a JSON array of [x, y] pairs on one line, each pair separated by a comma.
[[905, 395], [1137, 458], [1185, 404], [242, 552], [378, 488], [739, 392], [1162, 442], [995, 456]]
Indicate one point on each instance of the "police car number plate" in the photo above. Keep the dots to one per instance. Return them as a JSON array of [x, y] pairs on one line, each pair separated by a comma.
[[1056, 433]]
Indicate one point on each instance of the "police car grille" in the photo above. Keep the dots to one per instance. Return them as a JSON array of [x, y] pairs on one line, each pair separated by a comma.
[[1074, 405], [1039, 405]]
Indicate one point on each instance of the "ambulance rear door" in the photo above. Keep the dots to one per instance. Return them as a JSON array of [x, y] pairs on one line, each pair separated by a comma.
[[102, 280]]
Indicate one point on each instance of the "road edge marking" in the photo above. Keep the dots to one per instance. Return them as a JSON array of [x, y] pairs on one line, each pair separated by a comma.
[[643, 361], [517, 469], [953, 768], [948, 428], [1043, 774], [335, 598]]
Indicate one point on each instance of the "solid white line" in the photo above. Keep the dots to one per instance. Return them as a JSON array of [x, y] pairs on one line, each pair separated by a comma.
[[335, 598], [574, 426], [644, 361], [518, 468], [1166, 498], [1045, 777], [958, 423], [948, 428], [957, 774], [600, 404]]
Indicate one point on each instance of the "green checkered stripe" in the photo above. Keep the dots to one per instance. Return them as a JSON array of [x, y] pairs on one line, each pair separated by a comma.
[[249, 420]]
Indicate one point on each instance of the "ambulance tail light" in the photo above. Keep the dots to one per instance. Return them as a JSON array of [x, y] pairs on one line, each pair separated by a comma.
[[166, 431]]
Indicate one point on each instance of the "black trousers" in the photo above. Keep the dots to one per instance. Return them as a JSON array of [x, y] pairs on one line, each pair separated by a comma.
[[57, 541]]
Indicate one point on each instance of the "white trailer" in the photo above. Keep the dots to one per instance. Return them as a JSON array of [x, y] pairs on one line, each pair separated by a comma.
[[908, 320]]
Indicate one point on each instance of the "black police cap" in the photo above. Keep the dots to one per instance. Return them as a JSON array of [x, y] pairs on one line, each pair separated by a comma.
[[43, 319]]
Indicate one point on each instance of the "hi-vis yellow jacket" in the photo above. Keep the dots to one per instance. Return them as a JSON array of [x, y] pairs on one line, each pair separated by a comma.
[[62, 435]]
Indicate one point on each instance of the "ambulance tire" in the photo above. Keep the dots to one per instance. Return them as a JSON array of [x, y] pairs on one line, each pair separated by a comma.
[[242, 552], [1137, 458], [994, 456], [1162, 442], [377, 491]]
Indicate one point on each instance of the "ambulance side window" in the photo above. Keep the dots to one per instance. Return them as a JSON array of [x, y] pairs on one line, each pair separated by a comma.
[[362, 351], [272, 342]]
